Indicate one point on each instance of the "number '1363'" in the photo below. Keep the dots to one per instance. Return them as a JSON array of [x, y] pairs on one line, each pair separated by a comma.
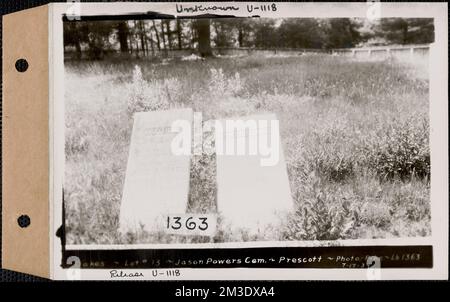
[[187, 223]]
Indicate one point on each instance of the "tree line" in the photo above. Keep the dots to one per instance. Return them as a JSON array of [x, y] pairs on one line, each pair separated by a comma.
[[155, 37]]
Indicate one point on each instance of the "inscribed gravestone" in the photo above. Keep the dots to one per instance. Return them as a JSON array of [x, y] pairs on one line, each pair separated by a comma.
[[157, 180], [253, 193]]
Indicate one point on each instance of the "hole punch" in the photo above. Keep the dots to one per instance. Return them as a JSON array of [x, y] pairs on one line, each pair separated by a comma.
[[21, 65], [24, 221]]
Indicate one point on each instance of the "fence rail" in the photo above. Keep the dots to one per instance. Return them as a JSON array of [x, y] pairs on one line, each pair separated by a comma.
[[383, 51], [407, 52]]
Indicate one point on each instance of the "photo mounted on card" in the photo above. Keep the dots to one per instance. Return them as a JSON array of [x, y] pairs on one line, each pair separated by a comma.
[[232, 136], [248, 141]]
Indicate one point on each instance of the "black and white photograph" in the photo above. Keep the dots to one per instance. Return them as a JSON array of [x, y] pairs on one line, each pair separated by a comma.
[[220, 130], [225, 141]]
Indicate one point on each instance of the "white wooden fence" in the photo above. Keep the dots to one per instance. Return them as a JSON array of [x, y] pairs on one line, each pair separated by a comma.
[[411, 53], [417, 54]]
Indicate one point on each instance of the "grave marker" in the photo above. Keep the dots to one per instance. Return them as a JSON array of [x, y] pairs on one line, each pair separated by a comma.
[[157, 181], [252, 196]]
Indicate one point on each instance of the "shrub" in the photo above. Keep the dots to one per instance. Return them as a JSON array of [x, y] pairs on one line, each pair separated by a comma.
[[399, 149], [222, 85], [150, 96], [410, 201], [329, 152], [320, 214]]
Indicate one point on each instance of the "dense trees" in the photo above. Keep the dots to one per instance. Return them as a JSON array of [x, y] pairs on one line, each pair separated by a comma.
[[150, 37], [342, 33], [406, 31]]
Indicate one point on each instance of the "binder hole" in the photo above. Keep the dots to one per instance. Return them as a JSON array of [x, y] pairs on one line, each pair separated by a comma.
[[21, 65], [23, 221]]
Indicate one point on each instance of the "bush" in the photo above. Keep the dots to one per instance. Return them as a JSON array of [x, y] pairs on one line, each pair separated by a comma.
[[399, 149], [150, 96], [329, 151], [220, 84], [410, 201], [320, 215], [390, 149]]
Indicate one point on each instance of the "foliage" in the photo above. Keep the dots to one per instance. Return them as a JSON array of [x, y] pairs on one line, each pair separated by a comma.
[[139, 38], [400, 149], [355, 137], [342, 33], [300, 33], [406, 31]]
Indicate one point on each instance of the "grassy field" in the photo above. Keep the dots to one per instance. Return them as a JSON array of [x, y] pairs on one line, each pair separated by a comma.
[[355, 137]]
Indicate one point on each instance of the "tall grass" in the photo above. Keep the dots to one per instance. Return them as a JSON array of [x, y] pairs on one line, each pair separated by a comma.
[[355, 136]]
